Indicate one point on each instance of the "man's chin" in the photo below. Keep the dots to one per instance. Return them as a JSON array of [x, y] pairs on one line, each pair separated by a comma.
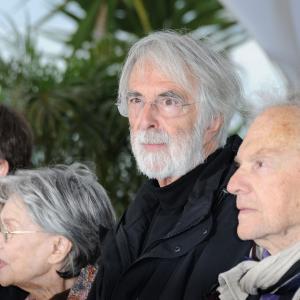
[[154, 173], [160, 173]]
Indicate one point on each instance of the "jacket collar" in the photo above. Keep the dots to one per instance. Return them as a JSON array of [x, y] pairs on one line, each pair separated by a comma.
[[209, 185]]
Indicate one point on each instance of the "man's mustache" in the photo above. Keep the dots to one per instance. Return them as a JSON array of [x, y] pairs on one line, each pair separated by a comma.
[[151, 136]]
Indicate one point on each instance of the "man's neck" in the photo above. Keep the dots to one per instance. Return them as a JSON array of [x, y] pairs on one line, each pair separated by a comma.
[[275, 244], [167, 181]]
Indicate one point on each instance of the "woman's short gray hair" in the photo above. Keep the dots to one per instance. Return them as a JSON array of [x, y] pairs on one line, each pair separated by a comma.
[[188, 61], [65, 200]]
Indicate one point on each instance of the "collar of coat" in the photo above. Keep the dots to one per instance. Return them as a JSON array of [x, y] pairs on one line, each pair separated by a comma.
[[206, 196]]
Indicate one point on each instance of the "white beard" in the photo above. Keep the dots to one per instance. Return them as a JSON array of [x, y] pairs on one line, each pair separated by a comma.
[[183, 152]]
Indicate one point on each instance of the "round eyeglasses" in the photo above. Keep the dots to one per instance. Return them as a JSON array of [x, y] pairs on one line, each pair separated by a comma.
[[169, 104]]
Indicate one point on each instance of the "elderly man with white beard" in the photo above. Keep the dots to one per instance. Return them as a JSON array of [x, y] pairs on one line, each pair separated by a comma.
[[180, 231]]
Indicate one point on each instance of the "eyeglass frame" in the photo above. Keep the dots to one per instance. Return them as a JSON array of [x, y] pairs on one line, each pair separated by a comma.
[[5, 232], [163, 96]]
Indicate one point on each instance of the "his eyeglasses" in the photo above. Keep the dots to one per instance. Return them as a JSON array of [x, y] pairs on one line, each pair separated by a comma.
[[168, 104], [8, 234]]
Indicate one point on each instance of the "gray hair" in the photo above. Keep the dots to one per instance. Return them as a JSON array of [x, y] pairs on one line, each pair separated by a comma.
[[65, 200], [183, 58], [269, 101]]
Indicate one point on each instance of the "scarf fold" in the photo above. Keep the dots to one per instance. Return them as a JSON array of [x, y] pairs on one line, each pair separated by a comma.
[[248, 277]]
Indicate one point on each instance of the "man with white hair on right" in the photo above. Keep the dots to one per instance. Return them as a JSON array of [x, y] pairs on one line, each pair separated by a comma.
[[267, 186]]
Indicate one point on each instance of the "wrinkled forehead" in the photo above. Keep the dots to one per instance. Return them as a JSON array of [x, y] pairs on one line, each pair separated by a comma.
[[172, 70], [277, 128]]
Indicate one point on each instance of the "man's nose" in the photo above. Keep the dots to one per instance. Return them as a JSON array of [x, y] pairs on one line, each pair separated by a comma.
[[148, 117], [238, 183]]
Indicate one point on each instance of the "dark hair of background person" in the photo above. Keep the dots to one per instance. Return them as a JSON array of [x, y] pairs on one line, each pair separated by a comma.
[[16, 139]]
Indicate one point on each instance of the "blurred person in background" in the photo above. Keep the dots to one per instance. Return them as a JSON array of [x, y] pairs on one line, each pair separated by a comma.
[[15, 141]]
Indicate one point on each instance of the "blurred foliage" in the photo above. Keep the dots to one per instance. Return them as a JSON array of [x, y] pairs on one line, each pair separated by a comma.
[[138, 17], [71, 109]]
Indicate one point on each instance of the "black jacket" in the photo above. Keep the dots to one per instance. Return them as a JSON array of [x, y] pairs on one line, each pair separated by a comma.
[[186, 262], [14, 293]]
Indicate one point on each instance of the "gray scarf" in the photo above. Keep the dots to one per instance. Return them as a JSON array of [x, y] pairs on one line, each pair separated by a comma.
[[247, 277]]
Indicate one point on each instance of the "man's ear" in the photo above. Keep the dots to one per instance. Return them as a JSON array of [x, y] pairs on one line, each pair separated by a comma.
[[214, 127], [209, 142], [4, 167], [61, 247]]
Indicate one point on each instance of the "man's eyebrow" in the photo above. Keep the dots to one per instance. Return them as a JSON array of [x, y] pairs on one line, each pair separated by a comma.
[[265, 152], [131, 94], [171, 94], [261, 152]]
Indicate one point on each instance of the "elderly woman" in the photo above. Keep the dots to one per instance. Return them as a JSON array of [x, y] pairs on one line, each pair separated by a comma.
[[52, 222]]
